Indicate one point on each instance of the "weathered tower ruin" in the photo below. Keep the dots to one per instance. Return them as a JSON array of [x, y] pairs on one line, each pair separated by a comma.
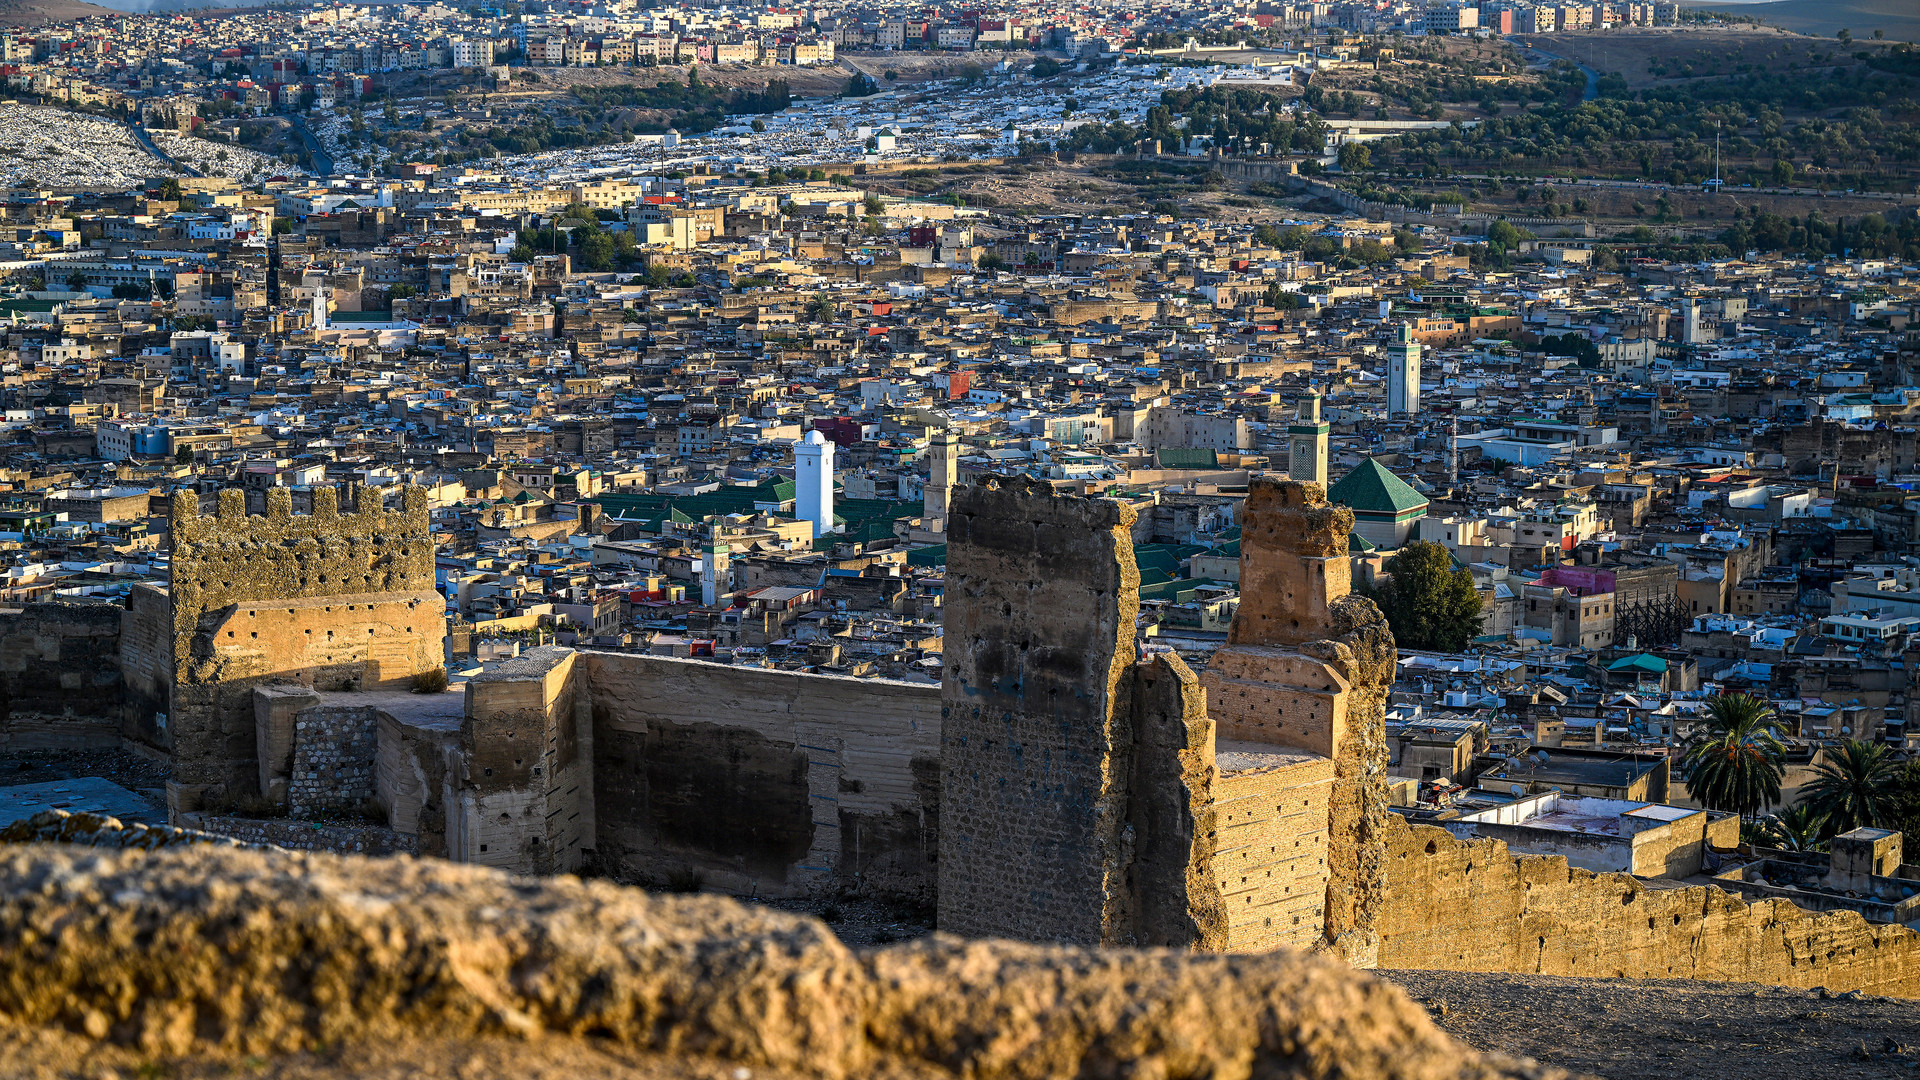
[[1096, 797]]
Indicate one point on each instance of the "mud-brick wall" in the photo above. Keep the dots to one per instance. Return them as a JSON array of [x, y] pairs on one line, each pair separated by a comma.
[[524, 798], [60, 676], [1041, 597], [333, 760], [764, 782], [1272, 855], [1454, 905]]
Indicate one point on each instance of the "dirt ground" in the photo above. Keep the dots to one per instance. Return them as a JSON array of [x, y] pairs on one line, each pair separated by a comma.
[[1625, 1029]]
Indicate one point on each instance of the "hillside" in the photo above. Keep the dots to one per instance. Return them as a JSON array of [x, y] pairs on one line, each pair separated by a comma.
[[42, 12], [1899, 20]]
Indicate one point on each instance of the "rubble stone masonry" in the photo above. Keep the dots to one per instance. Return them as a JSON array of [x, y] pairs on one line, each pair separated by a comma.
[[1041, 597]]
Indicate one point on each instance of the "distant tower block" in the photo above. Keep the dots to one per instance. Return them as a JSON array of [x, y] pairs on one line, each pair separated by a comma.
[[1403, 373], [813, 479], [943, 472], [1307, 439], [715, 575]]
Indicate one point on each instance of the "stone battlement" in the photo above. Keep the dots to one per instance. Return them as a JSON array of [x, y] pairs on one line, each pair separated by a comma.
[[234, 557]]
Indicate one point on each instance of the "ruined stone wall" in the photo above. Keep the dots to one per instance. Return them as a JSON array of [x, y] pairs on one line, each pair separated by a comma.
[[1456, 905], [329, 600], [414, 774], [1173, 813], [523, 799], [338, 839], [1272, 856], [146, 666], [60, 682], [333, 760], [1307, 665], [1041, 598], [767, 783]]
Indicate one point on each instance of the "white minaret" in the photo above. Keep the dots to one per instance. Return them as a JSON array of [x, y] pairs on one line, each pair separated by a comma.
[[319, 310], [1403, 373], [1307, 439], [813, 480], [943, 472], [715, 575]]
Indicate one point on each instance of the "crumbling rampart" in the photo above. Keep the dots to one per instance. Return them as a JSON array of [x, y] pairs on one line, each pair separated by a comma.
[[765, 783], [1455, 905], [1307, 666], [60, 680]]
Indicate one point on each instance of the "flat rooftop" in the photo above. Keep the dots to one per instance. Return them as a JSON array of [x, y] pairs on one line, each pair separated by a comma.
[[81, 795], [1240, 756]]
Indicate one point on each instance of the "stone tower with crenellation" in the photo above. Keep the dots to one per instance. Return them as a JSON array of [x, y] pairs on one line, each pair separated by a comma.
[[328, 600]]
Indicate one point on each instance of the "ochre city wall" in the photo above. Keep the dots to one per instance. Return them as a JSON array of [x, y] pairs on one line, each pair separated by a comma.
[[522, 797], [1454, 905], [1271, 859], [766, 783]]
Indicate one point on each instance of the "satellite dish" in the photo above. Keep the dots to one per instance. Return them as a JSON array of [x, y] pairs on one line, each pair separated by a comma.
[[1517, 790], [1540, 756]]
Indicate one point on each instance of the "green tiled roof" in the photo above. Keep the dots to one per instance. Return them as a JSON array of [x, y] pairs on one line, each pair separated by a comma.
[[1641, 661], [1371, 489], [1186, 459], [934, 555], [689, 508], [1179, 590]]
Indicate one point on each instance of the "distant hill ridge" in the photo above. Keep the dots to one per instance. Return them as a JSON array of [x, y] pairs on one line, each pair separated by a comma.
[[44, 12], [1899, 20]]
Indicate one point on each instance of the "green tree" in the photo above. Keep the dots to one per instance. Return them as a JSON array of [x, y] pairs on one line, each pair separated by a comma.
[[991, 263], [183, 456], [1782, 171], [1797, 828], [1732, 761], [169, 190], [1854, 786], [821, 308], [1355, 157], [596, 251], [1429, 602]]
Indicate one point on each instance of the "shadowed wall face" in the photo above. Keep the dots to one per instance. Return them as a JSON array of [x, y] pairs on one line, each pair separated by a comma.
[[1040, 603]]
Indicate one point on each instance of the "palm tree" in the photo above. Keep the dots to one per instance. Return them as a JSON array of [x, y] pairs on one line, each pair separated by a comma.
[[1854, 787], [1797, 828], [1732, 762]]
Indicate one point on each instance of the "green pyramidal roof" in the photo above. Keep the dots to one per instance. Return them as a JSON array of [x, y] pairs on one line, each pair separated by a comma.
[[1370, 488]]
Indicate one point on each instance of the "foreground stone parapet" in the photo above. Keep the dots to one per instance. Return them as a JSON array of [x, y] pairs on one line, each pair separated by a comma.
[[208, 950]]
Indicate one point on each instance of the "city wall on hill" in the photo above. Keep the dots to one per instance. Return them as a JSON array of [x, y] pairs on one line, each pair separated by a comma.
[[1063, 783]]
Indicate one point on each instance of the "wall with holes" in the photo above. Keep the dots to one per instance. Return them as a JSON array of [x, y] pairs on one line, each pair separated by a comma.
[[1454, 905]]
